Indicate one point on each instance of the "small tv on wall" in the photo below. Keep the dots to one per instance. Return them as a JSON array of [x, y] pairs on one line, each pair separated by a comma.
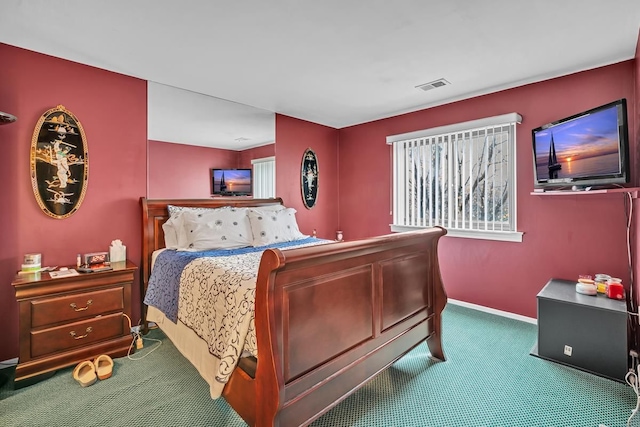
[[584, 150], [231, 182]]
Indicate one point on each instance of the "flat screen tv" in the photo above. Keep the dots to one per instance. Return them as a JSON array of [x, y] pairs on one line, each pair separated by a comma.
[[582, 151], [231, 182]]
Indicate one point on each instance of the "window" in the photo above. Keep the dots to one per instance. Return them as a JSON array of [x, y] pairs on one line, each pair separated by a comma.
[[264, 178], [461, 177]]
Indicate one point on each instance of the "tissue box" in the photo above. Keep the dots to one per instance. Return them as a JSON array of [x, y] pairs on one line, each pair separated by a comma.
[[118, 253]]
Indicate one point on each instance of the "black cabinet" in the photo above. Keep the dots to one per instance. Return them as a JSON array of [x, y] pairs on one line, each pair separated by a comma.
[[583, 331]]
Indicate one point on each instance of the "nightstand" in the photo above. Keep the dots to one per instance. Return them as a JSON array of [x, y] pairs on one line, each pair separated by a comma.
[[66, 320]]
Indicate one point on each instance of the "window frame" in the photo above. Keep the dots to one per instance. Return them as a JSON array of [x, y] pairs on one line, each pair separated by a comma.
[[254, 162], [398, 175]]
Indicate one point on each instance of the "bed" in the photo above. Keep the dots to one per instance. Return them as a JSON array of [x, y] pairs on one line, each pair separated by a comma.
[[327, 317]]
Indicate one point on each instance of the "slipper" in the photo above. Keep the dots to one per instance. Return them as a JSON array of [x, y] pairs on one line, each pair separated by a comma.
[[85, 373], [104, 366]]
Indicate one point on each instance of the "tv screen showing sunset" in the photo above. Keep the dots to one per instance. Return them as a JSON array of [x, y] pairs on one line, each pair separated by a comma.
[[586, 146], [231, 181]]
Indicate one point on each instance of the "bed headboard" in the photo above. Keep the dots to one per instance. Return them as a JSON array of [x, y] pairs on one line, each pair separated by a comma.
[[155, 213]]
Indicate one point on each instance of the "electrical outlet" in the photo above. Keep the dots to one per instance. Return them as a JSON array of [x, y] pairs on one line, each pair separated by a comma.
[[135, 330], [568, 350]]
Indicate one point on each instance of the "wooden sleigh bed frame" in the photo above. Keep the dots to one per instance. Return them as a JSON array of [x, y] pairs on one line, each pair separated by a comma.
[[328, 318]]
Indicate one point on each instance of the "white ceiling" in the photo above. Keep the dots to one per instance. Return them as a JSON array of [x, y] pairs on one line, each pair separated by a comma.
[[185, 117], [333, 62]]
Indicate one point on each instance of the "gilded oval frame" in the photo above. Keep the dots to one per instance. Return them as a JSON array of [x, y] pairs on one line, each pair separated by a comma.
[[309, 178], [59, 163]]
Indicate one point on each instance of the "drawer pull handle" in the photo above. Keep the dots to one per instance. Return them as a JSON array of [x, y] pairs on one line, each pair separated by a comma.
[[88, 331], [75, 307]]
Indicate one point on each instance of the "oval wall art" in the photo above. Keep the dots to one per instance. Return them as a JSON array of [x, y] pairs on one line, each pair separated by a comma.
[[59, 163], [309, 183]]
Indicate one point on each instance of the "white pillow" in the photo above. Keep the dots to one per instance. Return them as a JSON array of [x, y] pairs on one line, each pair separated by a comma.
[[174, 235], [274, 226], [217, 229], [269, 208], [177, 209]]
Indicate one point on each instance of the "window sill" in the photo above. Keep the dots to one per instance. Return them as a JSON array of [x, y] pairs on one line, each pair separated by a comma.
[[504, 236]]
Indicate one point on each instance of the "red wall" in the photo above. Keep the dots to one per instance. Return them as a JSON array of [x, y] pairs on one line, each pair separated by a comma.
[[245, 156], [293, 137], [182, 171], [564, 235], [112, 109]]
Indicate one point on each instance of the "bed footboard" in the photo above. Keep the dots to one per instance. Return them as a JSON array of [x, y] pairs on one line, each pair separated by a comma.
[[331, 317]]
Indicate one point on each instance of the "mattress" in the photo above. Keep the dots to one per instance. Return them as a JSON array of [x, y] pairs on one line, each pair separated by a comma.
[[215, 298]]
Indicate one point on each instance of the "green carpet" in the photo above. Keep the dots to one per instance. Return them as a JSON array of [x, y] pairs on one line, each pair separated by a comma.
[[489, 379]]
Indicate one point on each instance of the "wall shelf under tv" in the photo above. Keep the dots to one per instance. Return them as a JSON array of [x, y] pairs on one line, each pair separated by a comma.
[[632, 190]]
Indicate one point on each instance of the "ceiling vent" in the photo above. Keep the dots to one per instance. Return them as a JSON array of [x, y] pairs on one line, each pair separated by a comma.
[[433, 85]]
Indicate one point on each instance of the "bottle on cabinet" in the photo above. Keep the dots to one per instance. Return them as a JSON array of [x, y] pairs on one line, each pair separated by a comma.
[[615, 290], [601, 282]]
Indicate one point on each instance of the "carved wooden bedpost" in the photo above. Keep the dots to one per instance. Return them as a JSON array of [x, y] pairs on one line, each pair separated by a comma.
[[434, 342]]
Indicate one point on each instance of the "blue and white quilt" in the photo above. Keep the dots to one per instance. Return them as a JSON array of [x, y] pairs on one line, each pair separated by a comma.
[[213, 293]]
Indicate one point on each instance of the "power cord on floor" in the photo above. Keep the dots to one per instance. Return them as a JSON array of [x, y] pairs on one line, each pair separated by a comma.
[[138, 340], [633, 378]]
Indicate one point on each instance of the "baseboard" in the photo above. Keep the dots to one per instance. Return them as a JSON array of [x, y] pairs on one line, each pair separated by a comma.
[[494, 311]]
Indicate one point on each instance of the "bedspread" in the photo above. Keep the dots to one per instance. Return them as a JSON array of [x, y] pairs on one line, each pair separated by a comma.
[[214, 296]]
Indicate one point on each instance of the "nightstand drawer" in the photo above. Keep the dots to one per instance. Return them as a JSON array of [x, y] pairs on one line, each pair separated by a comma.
[[78, 334], [76, 306]]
